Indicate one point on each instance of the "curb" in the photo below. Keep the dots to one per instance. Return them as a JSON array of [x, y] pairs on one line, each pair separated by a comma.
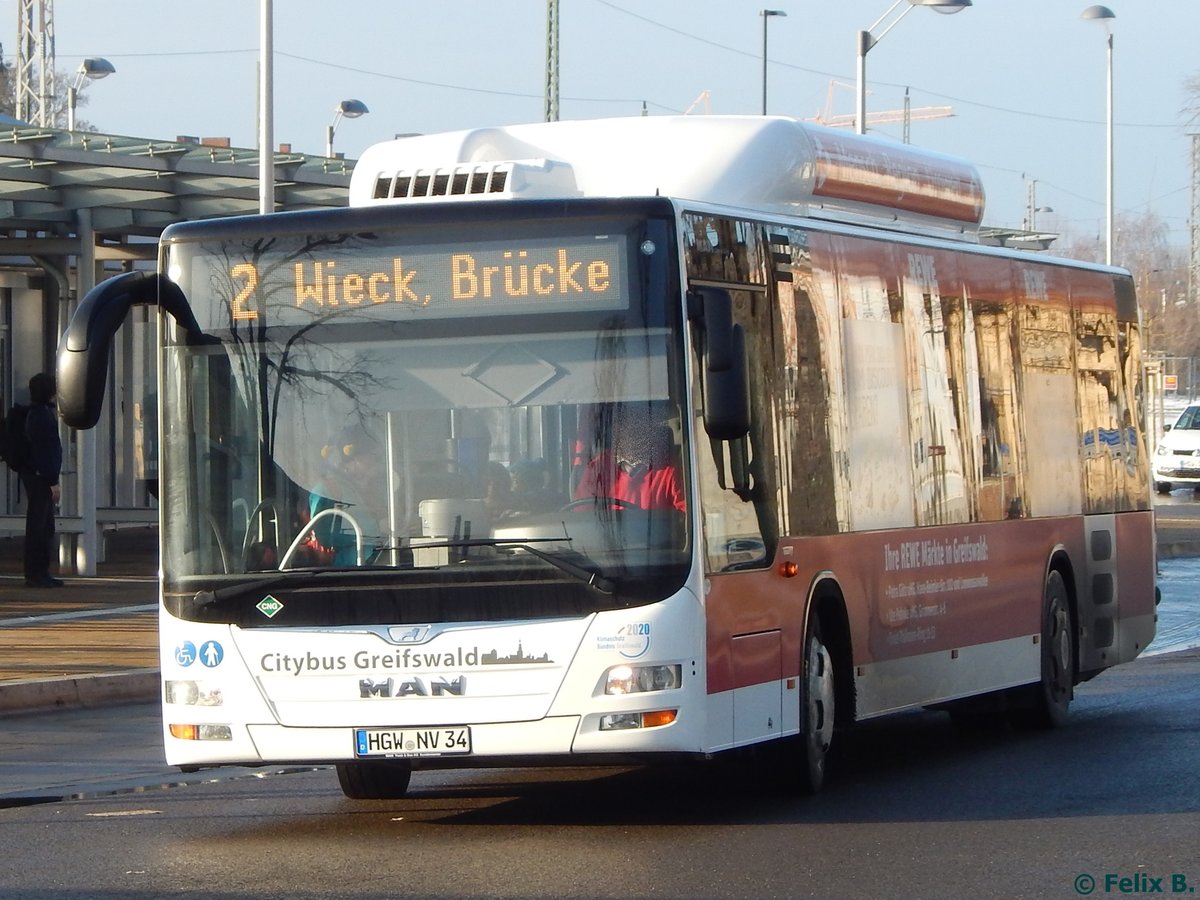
[[79, 691], [1178, 549]]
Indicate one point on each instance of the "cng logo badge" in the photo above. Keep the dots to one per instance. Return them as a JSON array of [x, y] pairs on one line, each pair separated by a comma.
[[269, 606]]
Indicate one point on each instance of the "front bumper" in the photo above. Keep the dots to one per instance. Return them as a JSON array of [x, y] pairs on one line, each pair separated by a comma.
[[1169, 472]]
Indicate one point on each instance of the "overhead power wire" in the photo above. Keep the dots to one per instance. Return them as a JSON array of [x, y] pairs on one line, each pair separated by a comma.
[[665, 27]]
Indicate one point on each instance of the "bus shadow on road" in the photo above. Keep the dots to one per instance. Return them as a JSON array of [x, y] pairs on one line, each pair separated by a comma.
[[916, 767]]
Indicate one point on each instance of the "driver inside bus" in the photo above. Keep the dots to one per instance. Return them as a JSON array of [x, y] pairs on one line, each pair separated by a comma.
[[350, 482], [640, 469]]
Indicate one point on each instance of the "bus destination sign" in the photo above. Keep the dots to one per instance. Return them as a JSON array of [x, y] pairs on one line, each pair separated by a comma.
[[297, 283]]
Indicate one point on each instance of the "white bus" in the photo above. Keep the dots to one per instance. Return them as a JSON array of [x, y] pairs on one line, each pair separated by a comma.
[[635, 439]]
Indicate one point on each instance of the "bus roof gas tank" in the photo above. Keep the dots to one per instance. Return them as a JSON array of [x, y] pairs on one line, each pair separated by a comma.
[[771, 163]]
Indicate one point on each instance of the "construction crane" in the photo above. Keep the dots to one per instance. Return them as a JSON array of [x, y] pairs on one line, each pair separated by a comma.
[[907, 115], [35, 62], [703, 100]]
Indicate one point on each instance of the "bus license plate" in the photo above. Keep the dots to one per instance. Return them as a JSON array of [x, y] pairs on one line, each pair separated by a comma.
[[393, 742]]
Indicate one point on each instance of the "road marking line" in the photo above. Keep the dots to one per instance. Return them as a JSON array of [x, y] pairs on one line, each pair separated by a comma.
[[77, 614]]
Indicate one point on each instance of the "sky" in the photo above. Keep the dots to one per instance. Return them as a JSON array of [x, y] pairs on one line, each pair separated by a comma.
[[1025, 79]]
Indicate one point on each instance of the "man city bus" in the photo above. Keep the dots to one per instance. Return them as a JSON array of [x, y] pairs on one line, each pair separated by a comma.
[[806, 453]]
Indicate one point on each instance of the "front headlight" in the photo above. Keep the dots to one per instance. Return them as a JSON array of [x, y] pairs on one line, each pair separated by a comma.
[[200, 732], [625, 721], [642, 679], [1160, 450], [192, 693]]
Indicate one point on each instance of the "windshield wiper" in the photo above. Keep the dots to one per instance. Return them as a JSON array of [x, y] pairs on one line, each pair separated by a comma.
[[215, 596], [588, 574]]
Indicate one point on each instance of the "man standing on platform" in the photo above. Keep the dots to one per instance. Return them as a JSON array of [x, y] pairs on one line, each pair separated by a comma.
[[42, 491]]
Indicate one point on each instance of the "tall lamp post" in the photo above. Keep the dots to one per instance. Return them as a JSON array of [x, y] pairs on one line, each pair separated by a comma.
[[266, 107], [766, 15], [867, 40], [1104, 15], [95, 68], [350, 109], [1031, 207]]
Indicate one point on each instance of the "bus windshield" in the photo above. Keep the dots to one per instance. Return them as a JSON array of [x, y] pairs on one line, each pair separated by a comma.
[[374, 412]]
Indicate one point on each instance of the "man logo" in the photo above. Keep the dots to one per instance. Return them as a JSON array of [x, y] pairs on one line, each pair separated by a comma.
[[412, 687], [409, 634]]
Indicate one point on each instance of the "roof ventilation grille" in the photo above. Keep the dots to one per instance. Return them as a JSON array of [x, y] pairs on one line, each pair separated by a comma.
[[535, 178]]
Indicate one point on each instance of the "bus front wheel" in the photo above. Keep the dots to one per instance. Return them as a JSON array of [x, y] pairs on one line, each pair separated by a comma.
[[816, 711], [384, 780]]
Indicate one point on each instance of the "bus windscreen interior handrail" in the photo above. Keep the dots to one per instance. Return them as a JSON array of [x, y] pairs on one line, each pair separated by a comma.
[[311, 526]]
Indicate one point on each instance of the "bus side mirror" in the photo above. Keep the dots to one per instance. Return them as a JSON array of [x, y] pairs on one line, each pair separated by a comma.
[[85, 347], [724, 382]]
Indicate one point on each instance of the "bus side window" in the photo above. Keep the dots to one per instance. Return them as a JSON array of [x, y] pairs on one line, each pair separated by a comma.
[[1001, 476], [805, 466], [740, 531]]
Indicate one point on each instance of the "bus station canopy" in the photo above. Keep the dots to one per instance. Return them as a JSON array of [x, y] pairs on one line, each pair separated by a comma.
[[137, 186], [71, 198]]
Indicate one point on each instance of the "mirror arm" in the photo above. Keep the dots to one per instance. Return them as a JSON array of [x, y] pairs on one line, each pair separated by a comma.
[[86, 345]]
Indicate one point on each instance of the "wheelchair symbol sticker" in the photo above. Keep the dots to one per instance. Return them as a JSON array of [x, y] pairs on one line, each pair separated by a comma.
[[185, 653]]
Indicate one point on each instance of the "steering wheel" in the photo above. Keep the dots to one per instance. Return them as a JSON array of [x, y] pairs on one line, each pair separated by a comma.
[[596, 502]]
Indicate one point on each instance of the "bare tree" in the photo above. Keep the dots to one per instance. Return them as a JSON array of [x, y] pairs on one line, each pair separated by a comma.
[[1159, 270], [1191, 105], [8, 88]]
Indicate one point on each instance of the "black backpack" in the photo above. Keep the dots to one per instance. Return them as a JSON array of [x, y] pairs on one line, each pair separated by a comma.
[[15, 446]]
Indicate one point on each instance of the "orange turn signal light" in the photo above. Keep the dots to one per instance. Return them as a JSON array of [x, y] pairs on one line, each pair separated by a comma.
[[185, 732], [659, 717], [788, 569]]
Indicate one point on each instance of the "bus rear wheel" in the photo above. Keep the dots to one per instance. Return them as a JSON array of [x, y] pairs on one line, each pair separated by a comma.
[[384, 780], [816, 711], [1046, 704]]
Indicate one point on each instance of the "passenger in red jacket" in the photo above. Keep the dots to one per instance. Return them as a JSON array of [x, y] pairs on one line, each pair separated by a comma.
[[640, 470]]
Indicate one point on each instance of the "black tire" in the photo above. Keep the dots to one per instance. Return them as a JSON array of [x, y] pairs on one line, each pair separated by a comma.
[[1163, 487], [374, 780], [817, 708], [1046, 704]]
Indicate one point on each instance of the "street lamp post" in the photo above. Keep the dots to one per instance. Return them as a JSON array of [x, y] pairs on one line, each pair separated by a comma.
[[266, 107], [867, 40], [1104, 15], [350, 109], [1033, 215], [766, 15], [1031, 207], [95, 68]]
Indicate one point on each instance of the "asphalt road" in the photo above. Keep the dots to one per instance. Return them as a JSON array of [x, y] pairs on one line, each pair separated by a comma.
[[916, 808]]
